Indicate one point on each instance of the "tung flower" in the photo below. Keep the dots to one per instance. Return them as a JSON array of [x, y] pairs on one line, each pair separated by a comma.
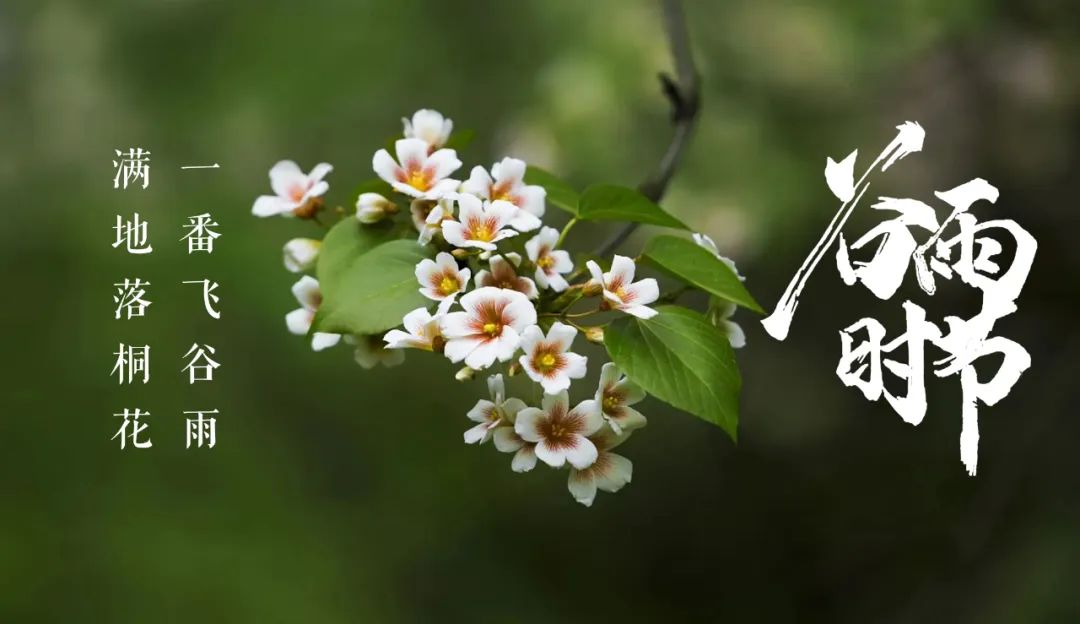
[[492, 414], [299, 321], [503, 275], [441, 280], [373, 207], [615, 395], [300, 254], [479, 224], [427, 217], [548, 360], [550, 263], [560, 433], [369, 352], [415, 173], [429, 126], [719, 314], [507, 182], [610, 472], [421, 332], [622, 292], [490, 327], [295, 193]]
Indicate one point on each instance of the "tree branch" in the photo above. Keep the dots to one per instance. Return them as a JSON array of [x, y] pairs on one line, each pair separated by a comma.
[[683, 93]]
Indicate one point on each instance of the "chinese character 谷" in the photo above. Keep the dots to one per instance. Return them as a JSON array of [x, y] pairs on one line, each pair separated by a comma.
[[201, 366], [132, 234], [132, 166], [129, 298], [209, 298], [131, 420], [201, 429], [200, 236], [132, 363]]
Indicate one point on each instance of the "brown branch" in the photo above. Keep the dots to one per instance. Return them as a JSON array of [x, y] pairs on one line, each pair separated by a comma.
[[683, 93]]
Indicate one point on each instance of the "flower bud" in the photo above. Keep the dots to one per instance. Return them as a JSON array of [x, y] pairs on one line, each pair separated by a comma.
[[513, 369], [301, 254], [592, 289], [372, 208], [460, 253], [464, 374], [594, 334], [309, 209]]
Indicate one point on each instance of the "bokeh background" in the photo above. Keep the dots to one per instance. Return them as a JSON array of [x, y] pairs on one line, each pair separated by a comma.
[[338, 495]]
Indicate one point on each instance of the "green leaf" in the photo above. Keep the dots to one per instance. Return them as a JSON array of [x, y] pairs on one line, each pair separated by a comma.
[[698, 267], [680, 358], [368, 284], [559, 193], [607, 202]]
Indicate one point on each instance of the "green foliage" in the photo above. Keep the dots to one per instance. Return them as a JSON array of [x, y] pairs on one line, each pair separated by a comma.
[[680, 358], [608, 202], [698, 267], [367, 280], [559, 193]]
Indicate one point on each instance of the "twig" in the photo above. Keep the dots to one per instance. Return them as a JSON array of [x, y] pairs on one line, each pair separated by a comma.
[[683, 92]]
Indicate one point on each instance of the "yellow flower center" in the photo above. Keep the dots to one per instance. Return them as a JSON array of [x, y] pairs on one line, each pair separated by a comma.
[[483, 233], [545, 262], [546, 362], [418, 180], [448, 285], [491, 329], [611, 402]]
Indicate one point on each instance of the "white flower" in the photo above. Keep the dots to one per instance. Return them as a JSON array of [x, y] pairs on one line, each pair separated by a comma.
[[369, 352], [427, 217], [707, 243], [299, 321], [507, 182], [622, 292], [503, 275], [421, 332], [560, 433], [548, 360], [610, 472], [441, 280], [491, 414], [615, 394], [415, 173], [372, 207], [429, 126], [479, 224], [550, 263], [301, 254], [490, 327], [718, 314], [292, 189]]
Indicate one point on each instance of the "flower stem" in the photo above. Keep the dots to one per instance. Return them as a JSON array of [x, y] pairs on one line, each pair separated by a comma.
[[565, 231]]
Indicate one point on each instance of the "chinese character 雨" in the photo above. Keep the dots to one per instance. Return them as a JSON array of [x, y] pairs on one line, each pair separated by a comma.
[[200, 237], [132, 166], [129, 298], [131, 419], [201, 366], [209, 298], [131, 363], [132, 234], [201, 429]]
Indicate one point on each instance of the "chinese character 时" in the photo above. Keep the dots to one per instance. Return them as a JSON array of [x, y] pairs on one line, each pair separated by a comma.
[[131, 363], [130, 298], [132, 234], [200, 235], [201, 366], [131, 429], [209, 298], [201, 429], [131, 166]]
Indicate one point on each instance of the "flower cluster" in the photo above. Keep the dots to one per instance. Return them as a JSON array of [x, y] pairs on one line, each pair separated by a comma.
[[505, 300]]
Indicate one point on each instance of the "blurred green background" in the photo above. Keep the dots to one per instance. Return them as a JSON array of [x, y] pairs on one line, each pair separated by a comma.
[[338, 495]]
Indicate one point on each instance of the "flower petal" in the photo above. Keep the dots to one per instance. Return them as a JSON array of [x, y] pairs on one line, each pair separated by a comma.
[[582, 486], [526, 424], [385, 167], [581, 453], [299, 321], [525, 459], [323, 340]]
